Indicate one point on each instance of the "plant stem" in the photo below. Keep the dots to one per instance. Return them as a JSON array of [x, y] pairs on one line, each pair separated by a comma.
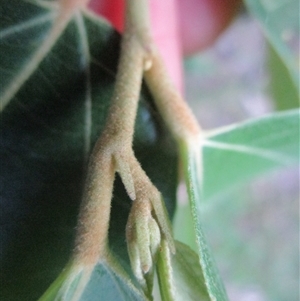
[[175, 111], [92, 228], [113, 150], [122, 113], [130, 71]]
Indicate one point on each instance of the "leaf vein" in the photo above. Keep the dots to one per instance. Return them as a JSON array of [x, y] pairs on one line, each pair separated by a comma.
[[34, 62], [255, 151], [88, 93], [26, 25]]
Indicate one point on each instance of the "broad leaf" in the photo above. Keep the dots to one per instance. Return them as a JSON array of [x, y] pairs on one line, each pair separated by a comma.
[[247, 150], [280, 22], [233, 155], [50, 122]]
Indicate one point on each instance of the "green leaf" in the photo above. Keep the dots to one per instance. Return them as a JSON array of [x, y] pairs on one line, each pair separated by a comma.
[[107, 280], [242, 152], [193, 175], [188, 275], [184, 234], [48, 127], [234, 155], [279, 20], [282, 88], [181, 279]]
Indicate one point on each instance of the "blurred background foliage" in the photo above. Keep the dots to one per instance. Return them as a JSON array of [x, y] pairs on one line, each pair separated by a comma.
[[252, 70]]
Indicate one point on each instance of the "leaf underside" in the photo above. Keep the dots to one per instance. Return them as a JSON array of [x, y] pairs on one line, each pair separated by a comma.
[[242, 152], [230, 156]]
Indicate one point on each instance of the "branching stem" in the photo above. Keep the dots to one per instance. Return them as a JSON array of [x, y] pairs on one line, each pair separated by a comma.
[[148, 221], [113, 150]]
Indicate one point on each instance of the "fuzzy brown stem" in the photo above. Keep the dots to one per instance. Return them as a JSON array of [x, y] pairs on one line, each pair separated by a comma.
[[114, 144], [92, 228], [175, 111], [123, 110]]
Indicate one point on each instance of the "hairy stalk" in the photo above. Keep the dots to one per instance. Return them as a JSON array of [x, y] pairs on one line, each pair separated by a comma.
[[148, 222], [175, 111], [113, 153], [113, 145], [148, 227]]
